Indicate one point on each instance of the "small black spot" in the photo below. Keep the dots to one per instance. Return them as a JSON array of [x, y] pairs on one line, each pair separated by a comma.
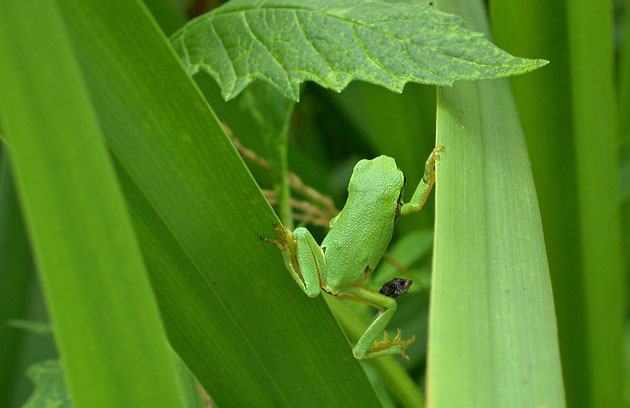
[[396, 287], [324, 249]]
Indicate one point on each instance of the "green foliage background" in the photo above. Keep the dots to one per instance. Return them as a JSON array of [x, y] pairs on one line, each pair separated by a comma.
[[547, 156]]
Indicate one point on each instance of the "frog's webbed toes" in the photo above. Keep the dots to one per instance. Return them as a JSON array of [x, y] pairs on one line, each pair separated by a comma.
[[284, 234], [272, 241], [394, 346], [285, 239]]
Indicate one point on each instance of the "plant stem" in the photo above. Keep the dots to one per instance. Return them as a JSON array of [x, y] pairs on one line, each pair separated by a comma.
[[281, 171]]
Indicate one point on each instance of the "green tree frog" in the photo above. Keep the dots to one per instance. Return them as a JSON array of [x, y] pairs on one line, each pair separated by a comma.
[[358, 238]]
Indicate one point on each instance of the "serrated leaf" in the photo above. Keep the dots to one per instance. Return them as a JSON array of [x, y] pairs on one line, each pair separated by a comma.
[[50, 386], [332, 42]]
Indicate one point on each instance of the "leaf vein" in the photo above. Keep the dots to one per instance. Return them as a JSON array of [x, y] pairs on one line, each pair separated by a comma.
[[232, 67], [251, 31], [312, 44], [369, 56]]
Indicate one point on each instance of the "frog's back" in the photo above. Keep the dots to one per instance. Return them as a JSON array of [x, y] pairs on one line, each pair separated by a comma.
[[361, 233]]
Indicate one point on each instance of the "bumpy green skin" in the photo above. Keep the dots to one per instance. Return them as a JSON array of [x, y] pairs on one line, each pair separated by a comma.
[[357, 240], [362, 230]]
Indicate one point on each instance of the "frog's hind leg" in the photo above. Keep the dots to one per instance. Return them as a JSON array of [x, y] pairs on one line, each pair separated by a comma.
[[311, 261], [368, 346], [302, 257]]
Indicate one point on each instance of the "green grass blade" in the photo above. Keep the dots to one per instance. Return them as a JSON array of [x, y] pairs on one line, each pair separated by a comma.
[[544, 102], [575, 178], [492, 334], [232, 311], [591, 68], [107, 324], [624, 77], [16, 276], [624, 134]]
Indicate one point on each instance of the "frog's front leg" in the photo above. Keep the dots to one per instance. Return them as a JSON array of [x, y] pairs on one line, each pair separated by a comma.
[[368, 346], [424, 187], [302, 257]]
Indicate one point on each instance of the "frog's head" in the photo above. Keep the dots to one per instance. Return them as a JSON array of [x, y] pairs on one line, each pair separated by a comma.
[[379, 174]]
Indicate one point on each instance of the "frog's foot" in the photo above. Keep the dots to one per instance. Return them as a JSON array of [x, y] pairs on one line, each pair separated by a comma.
[[437, 149], [433, 158], [387, 347], [285, 240]]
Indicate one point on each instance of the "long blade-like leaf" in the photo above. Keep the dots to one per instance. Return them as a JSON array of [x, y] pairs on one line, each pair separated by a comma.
[[332, 42], [106, 320], [233, 313], [545, 101], [17, 273], [591, 68], [492, 334]]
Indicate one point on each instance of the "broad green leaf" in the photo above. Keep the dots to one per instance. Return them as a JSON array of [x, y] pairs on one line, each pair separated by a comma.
[[50, 386], [492, 333], [106, 321], [332, 42], [232, 312]]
